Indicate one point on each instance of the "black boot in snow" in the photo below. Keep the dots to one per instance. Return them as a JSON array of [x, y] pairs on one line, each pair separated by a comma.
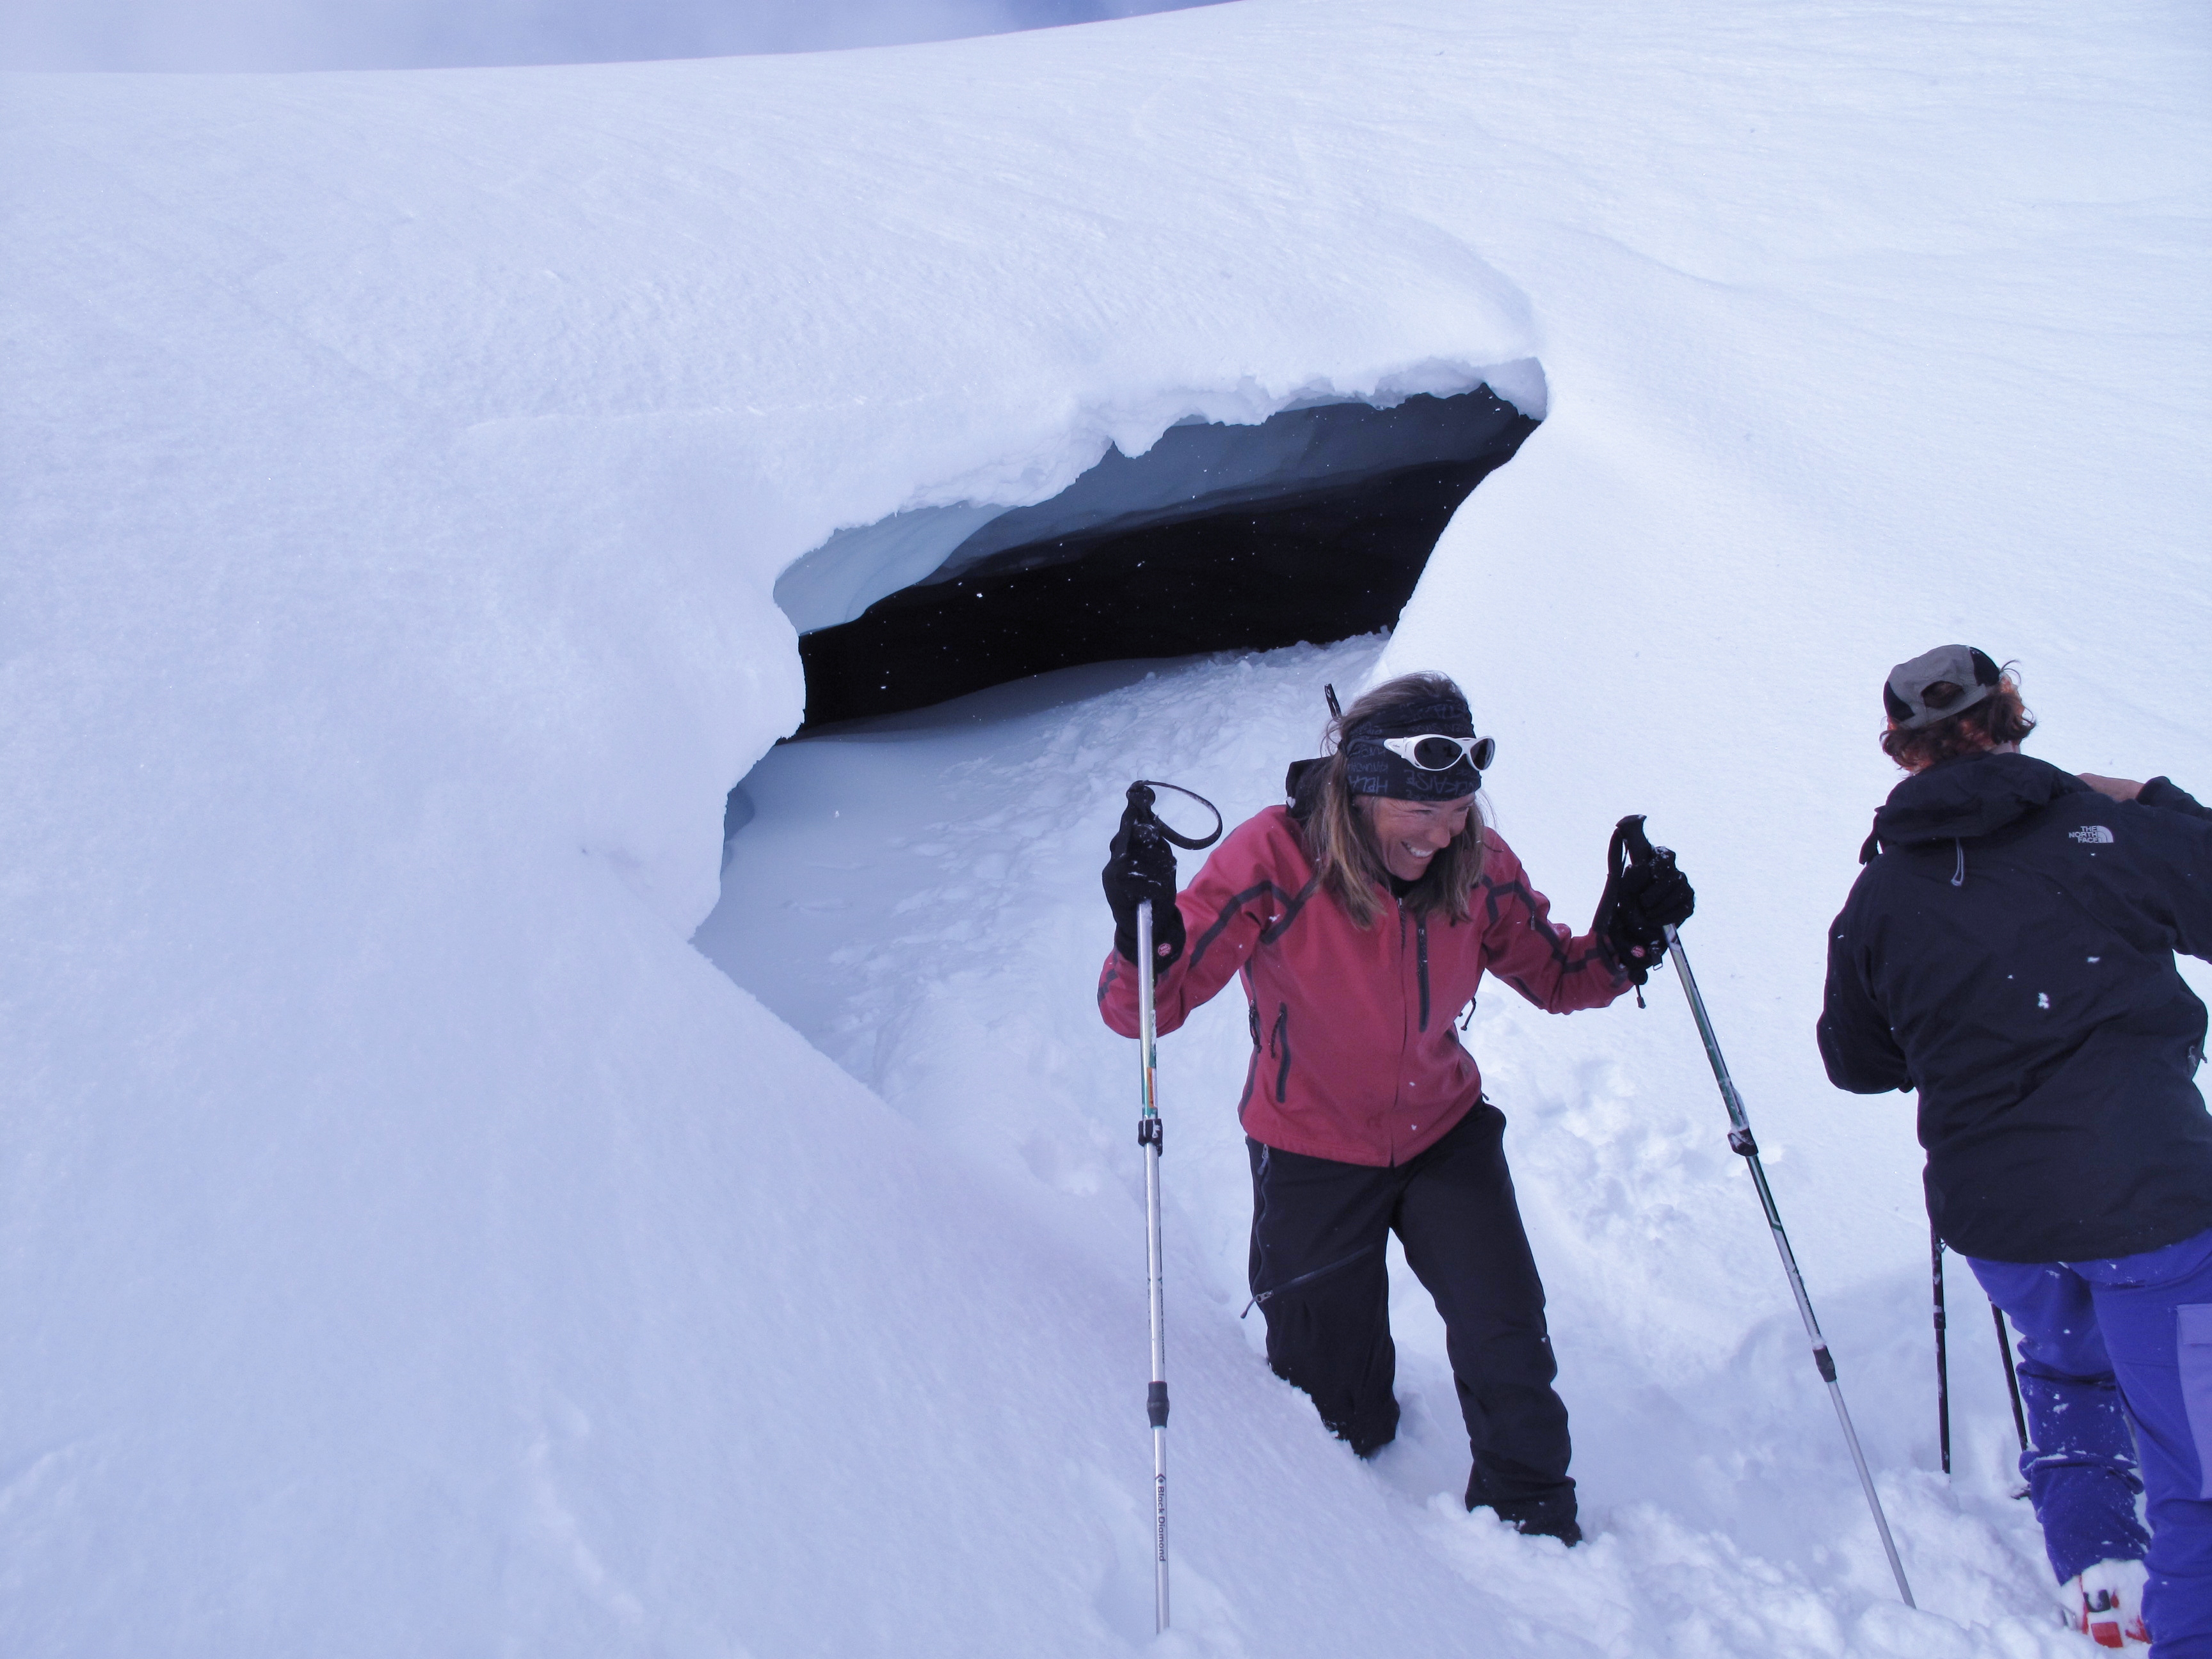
[[1565, 1527], [1552, 1516]]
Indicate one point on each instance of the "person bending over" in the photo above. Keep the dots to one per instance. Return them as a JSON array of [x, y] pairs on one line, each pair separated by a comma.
[[2008, 951], [1361, 918]]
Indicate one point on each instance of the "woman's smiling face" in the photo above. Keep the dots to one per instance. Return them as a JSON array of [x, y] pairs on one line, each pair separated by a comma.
[[1409, 833]]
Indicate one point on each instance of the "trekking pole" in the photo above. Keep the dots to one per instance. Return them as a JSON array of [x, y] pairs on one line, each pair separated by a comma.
[[2012, 1376], [1942, 1358], [1629, 830], [1151, 1137]]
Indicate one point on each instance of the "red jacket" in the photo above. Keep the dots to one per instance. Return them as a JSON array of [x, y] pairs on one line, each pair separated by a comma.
[[1355, 1055]]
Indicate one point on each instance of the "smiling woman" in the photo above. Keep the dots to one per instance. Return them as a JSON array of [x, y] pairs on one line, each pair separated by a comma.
[[1364, 1114]]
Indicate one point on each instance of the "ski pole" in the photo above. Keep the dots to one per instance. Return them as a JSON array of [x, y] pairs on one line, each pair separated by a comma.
[[1631, 829], [2004, 1352], [1151, 1137], [1740, 1141], [1942, 1359], [2012, 1376]]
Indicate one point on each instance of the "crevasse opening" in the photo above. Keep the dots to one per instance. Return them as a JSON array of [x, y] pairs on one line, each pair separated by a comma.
[[1313, 525]]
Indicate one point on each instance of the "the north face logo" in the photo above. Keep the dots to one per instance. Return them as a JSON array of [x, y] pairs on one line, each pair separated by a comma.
[[2092, 835]]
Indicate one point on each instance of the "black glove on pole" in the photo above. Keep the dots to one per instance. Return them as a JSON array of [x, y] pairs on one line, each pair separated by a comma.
[[1140, 865], [1628, 837], [1643, 897]]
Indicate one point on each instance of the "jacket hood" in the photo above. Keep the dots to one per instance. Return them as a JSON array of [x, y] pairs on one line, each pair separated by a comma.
[[1973, 795]]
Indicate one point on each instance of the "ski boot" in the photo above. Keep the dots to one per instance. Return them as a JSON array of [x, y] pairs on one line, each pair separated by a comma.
[[2105, 1603]]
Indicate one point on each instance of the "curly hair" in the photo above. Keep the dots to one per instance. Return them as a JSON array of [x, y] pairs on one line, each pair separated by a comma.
[[1340, 837], [1997, 719]]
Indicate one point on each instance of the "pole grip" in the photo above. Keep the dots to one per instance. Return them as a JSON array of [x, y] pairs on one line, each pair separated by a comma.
[[1141, 796]]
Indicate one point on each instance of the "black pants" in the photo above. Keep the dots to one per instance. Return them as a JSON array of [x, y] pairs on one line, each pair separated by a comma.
[[1318, 1232]]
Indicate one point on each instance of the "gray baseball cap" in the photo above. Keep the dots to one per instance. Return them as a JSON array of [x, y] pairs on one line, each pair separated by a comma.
[[1937, 684]]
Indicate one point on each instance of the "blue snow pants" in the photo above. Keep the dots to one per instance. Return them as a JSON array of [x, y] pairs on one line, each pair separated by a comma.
[[2102, 1342]]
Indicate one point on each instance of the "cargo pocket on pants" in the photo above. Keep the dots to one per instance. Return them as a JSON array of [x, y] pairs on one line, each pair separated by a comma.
[[2193, 1352]]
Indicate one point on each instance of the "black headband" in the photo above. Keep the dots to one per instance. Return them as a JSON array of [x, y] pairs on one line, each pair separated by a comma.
[[1371, 770], [1448, 716]]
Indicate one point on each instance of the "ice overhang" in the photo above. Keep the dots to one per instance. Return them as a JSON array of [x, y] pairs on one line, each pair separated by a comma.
[[1314, 524]]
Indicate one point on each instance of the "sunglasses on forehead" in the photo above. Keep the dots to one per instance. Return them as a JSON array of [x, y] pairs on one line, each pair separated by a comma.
[[1435, 752]]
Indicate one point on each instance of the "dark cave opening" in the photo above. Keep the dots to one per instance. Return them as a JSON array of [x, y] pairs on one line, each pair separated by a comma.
[[1313, 526]]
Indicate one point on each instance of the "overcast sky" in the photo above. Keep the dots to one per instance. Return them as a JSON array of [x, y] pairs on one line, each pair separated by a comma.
[[312, 34]]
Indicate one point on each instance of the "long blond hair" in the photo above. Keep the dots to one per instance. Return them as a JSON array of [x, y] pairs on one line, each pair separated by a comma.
[[1340, 840]]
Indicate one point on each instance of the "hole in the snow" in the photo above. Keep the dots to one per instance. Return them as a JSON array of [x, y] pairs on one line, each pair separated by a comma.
[[1313, 525]]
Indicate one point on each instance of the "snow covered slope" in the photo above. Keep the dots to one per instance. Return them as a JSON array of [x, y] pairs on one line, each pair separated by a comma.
[[411, 1244], [914, 895]]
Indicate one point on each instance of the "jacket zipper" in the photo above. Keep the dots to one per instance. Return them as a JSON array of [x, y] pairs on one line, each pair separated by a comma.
[[1282, 1036], [1421, 955]]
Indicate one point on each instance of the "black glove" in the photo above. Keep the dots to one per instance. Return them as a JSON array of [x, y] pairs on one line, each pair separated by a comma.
[[1645, 894], [1141, 866]]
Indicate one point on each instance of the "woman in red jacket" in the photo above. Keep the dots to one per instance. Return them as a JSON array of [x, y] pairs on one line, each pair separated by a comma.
[[1361, 918]]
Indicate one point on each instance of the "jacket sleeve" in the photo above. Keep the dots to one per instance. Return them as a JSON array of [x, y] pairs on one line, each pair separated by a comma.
[[1538, 957], [1223, 909], [2170, 796], [1856, 1044], [2177, 897]]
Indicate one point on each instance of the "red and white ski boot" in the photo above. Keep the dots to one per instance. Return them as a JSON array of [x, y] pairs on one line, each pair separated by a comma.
[[2105, 1603]]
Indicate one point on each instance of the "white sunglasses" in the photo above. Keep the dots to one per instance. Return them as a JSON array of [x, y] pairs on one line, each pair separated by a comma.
[[1435, 752]]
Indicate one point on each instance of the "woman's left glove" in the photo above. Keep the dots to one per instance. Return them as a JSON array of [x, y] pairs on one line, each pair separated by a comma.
[[1140, 866], [1641, 901]]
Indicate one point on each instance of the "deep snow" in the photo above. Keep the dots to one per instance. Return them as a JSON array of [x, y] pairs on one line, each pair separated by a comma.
[[918, 897], [412, 1244]]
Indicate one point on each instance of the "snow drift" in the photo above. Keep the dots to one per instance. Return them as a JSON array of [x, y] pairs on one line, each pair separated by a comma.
[[413, 1244]]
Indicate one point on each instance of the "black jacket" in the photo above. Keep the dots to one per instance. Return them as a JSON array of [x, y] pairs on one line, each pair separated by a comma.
[[2009, 952]]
